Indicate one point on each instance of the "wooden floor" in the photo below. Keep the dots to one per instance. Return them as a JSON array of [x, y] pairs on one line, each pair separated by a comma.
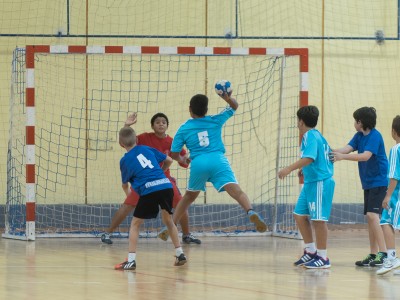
[[221, 268]]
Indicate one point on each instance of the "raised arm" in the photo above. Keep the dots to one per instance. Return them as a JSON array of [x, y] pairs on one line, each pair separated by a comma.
[[132, 119], [231, 101]]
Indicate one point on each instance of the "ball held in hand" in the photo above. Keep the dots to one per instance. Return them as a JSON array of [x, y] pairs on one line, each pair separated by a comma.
[[223, 86]]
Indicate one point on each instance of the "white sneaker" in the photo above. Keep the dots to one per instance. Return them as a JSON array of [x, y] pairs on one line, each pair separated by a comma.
[[388, 265]]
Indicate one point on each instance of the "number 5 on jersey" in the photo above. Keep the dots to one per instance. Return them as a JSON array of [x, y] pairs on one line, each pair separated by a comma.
[[203, 139]]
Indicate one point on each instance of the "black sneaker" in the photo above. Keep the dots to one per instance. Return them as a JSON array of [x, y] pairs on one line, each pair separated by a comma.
[[189, 239], [180, 260], [379, 259], [106, 238], [365, 262], [126, 265]]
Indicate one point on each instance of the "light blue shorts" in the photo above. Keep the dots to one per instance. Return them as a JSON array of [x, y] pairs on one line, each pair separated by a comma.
[[315, 200], [392, 216], [211, 167]]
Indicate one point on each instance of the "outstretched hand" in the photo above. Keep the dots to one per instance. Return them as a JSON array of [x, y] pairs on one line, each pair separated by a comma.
[[132, 118]]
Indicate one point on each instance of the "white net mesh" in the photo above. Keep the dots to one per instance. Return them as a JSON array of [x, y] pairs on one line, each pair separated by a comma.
[[83, 100]]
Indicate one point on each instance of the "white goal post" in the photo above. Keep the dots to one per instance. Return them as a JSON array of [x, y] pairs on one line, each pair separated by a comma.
[[74, 99]]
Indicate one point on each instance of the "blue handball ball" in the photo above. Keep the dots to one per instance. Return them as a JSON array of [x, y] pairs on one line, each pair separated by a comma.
[[223, 86]]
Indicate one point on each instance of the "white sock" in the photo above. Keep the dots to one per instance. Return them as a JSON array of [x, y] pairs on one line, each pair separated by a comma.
[[391, 253], [310, 248], [178, 251], [322, 253], [131, 256]]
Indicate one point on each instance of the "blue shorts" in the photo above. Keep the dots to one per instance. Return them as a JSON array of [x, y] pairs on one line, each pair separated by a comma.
[[315, 200], [392, 216], [211, 167]]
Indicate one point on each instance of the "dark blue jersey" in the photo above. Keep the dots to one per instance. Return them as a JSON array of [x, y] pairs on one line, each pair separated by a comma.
[[140, 167]]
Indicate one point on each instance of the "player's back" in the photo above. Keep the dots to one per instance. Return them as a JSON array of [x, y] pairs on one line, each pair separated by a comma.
[[140, 167], [202, 135], [315, 146]]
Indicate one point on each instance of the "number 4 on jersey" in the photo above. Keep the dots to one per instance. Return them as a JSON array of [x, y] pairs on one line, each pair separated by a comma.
[[144, 162]]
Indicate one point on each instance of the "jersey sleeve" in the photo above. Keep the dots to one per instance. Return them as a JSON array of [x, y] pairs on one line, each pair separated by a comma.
[[394, 163], [354, 142], [124, 171], [224, 115], [178, 141], [160, 157]]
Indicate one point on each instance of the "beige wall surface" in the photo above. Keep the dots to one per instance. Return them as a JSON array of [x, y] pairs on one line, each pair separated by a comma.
[[348, 68]]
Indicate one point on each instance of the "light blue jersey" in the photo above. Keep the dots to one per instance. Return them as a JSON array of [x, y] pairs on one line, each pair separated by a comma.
[[202, 135], [315, 199], [314, 146], [203, 139], [392, 216]]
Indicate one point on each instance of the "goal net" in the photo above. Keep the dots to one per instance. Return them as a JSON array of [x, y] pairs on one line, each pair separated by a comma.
[[69, 102]]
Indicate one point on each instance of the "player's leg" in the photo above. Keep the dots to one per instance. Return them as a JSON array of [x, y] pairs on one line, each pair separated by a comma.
[[180, 210], [197, 180], [234, 190], [389, 221], [220, 174], [180, 258], [130, 263], [374, 199], [165, 202], [319, 198], [301, 215], [127, 207], [187, 237], [364, 262]]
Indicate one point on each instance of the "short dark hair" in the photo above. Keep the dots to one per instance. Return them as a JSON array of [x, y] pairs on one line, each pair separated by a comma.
[[309, 115], [396, 125], [367, 117], [159, 115], [199, 105], [127, 136]]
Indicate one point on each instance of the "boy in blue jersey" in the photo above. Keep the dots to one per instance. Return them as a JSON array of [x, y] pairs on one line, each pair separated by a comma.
[[202, 137], [315, 199], [390, 220], [372, 168], [140, 168]]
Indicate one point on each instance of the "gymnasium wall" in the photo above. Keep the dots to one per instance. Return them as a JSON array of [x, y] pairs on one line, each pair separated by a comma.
[[349, 66]]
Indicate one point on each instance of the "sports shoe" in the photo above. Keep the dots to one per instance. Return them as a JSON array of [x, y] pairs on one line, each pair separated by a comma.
[[106, 238], [164, 234], [379, 259], [306, 257], [190, 238], [318, 263], [126, 265], [180, 260], [388, 265], [255, 218], [365, 262]]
